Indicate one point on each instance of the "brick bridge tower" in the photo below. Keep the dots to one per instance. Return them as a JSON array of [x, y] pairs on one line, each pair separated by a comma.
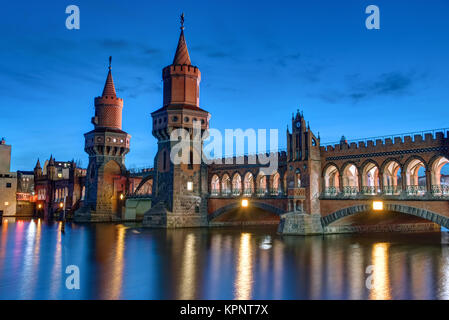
[[106, 146], [304, 166], [179, 190]]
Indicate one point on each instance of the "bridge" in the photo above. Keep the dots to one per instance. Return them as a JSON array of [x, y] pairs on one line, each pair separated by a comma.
[[402, 173]]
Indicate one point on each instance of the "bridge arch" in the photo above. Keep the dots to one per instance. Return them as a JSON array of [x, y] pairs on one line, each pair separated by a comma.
[[327, 166], [331, 179], [248, 183], [387, 162], [236, 183], [370, 172], [391, 170], [237, 204], [261, 183], [225, 186], [439, 181], [215, 184], [412, 169], [422, 213], [275, 183], [350, 173], [148, 181]]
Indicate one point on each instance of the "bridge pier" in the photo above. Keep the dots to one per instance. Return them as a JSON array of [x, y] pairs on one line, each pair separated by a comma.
[[302, 224]]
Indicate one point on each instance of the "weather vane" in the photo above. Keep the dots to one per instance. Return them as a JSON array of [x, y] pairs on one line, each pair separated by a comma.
[[110, 62], [182, 21]]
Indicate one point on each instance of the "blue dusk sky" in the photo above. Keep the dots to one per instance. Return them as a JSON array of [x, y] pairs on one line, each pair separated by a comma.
[[260, 61]]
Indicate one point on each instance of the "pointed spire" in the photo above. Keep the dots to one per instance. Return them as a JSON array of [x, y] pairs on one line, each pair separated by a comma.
[[109, 88], [182, 53], [52, 161], [38, 164]]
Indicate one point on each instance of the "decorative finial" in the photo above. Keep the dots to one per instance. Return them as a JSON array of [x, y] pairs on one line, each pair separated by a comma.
[[110, 62], [182, 21]]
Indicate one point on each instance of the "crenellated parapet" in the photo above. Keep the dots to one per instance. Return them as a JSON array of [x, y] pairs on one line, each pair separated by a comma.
[[385, 144]]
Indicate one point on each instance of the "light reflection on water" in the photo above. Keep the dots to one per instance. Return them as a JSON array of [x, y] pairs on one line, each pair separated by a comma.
[[130, 262]]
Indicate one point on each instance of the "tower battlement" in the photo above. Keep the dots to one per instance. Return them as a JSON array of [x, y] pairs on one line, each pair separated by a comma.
[[109, 100], [181, 69]]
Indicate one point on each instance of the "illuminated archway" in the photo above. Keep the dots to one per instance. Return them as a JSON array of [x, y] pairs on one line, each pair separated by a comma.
[[370, 179], [415, 173], [350, 179], [275, 184], [331, 181], [236, 184], [215, 185], [261, 183], [298, 178], [226, 185], [392, 178], [248, 184], [440, 176]]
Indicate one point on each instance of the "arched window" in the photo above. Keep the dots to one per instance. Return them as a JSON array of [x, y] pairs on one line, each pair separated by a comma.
[[215, 185], [370, 179], [298, 178], [392, 178], [350, 180], [248, 183], [275, 184], [236, 184], [331, 181], [440, 177], [261, 184], [415, 174], [225, 185]]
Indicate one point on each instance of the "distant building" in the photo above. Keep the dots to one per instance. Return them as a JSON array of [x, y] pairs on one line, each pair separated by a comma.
[[58, 185], [26, 198], [8, 181]]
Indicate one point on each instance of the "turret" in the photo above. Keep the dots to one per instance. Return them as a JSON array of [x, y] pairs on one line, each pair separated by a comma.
[[108, 107], [37, 169]]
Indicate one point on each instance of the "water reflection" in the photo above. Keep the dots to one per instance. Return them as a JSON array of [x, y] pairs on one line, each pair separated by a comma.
[[56, 271], [187, 289], [117, 264], [381, 279], [355, 272], [255, 263], [243, 282]]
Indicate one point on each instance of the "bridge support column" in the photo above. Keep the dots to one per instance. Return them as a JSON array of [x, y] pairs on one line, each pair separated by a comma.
[[300, 224], [340, 183], [429, 181], [404, 182], [381, 181]]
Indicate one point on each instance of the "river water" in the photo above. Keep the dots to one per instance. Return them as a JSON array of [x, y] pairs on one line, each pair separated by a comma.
[[117, 261]]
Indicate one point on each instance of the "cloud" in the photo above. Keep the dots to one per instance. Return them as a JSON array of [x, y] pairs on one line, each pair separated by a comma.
[[385, 84], [115, 44]]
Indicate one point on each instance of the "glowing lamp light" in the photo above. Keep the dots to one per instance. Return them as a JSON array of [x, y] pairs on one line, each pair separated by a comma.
[[122, 196], [189, 186], [378, 205], [61, 205], [39, 206], [244, 203], [6, 203]]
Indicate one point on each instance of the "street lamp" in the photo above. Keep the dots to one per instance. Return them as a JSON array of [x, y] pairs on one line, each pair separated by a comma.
[[244, 203]]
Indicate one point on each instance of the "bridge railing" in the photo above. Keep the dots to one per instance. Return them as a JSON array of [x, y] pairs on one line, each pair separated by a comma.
[[411, 191], [259, 193]]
